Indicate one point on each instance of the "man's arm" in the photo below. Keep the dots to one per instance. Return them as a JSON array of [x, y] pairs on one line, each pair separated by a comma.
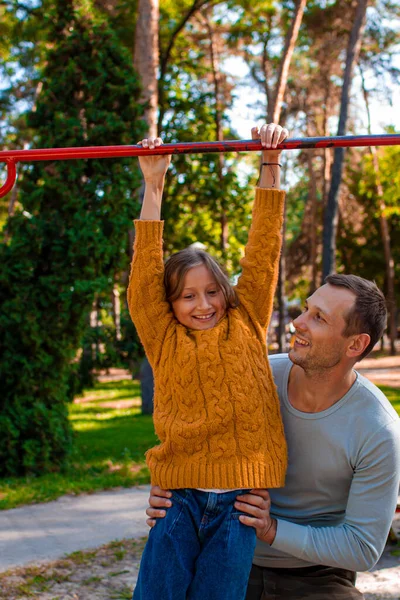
[[358, 542]]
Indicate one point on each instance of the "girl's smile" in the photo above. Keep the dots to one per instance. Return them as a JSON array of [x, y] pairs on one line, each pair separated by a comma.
[[202, 303]]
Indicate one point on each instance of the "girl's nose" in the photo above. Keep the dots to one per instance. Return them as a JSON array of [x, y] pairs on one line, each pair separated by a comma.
[[204, 302]]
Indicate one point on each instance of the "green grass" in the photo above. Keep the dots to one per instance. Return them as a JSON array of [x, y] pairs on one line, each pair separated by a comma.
[[109, 449], [393, 395]]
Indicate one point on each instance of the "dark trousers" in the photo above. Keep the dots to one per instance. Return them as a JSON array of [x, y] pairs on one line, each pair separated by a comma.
[[306, 583]]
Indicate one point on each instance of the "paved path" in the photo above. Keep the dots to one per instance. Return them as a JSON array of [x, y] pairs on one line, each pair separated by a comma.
[[51, 530], [48, 531], [381, 371]]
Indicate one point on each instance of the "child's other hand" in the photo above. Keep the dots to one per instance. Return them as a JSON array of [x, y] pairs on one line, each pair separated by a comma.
[[270, 136], [153, 167]]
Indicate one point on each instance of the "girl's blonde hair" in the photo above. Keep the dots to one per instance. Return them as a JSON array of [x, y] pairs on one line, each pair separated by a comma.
[[180, 263]]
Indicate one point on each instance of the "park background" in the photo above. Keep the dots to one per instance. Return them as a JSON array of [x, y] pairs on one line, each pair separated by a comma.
[[108, 72]]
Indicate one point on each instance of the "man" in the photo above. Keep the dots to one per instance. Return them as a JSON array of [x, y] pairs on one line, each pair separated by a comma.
[[333, 516]]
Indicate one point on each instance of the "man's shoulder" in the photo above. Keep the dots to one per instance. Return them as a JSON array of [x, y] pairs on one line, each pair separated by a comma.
[[279, 359], [375, 399], [279, 363]]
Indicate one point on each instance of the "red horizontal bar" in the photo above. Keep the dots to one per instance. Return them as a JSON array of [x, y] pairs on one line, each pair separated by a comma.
[[11, 157], [196, 147]]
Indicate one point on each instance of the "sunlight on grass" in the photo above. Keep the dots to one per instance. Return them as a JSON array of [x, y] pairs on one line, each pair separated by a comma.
[[110, 444], [393, 394]]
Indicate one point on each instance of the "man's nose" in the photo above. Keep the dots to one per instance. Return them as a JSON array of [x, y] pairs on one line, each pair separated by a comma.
[[300, 322]]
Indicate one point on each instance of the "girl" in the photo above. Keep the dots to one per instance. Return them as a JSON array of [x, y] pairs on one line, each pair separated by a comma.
[[216, 410]]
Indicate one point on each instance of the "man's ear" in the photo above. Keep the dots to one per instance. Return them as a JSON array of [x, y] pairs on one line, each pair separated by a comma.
[[358, 345]]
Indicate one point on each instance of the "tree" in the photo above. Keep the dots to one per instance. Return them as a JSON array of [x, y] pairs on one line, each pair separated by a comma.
[[261, 70], [146, 59], [360, 234], [65, 240], [274, 114], [274, 110], [331, 212]]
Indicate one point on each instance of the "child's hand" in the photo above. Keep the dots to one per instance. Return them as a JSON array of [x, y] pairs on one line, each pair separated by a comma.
[[270, 136], [153, 167]]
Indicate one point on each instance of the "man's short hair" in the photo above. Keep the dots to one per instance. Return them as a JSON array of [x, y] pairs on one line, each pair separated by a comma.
[[369, 314]]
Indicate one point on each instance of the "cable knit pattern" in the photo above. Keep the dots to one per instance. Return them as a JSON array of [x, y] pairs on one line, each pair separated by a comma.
[[216, 409]]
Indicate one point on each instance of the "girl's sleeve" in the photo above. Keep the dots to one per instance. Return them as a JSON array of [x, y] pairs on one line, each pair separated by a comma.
[[148, 307], [260, 264]]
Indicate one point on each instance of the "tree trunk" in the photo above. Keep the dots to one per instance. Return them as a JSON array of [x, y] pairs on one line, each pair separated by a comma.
[[11, 207], [196, 6], [274, 113], [147, 387], [385, 234], [313, 222], [116, 309], [332, 209], [146, 62], [216, 75], [290, 43], [146, 58], [390, 275], [94, 324], [281, 293], [327, 162]]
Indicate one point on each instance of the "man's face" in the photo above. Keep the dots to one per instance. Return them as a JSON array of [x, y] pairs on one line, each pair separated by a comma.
[[319, 343]]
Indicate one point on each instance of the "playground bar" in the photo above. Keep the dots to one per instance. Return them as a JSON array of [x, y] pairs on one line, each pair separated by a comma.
[[12, 157]]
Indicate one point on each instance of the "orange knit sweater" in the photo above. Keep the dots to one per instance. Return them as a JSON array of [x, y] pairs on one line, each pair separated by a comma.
[[216, 409]]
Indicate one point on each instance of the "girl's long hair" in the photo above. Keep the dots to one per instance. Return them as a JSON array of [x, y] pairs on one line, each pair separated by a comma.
[[179, 264]]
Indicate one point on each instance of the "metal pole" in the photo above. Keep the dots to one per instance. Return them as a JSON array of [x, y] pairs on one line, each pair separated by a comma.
[[12, 157]]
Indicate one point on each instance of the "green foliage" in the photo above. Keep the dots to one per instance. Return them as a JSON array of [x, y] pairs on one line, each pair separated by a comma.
[[111, 437], [100, 347], [203, 191], [69, 237], [360, 240]]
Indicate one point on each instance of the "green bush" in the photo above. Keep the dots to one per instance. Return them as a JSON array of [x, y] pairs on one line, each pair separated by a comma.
[[69, 237]]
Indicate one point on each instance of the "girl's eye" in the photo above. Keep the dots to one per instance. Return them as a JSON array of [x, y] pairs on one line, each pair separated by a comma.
[[212, 292], [188, 297]]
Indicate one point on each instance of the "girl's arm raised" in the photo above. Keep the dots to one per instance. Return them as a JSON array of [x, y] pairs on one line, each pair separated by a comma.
[[260, 265], [153, 169], [149, 309]]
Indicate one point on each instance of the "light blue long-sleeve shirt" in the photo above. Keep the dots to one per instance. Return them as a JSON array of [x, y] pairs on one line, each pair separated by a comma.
[[342, 482]]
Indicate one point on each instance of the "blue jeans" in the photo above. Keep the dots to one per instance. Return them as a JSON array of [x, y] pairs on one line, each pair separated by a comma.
[[199, 551]]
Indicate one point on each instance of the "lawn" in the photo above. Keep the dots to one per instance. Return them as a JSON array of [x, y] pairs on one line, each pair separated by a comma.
[[110, 442], [394, 396]]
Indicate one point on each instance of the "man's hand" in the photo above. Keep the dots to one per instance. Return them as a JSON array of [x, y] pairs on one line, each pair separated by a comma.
[[258, 504], [158, 500]]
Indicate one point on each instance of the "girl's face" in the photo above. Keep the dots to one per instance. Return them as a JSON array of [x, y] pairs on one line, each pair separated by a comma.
[[201, 303]]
